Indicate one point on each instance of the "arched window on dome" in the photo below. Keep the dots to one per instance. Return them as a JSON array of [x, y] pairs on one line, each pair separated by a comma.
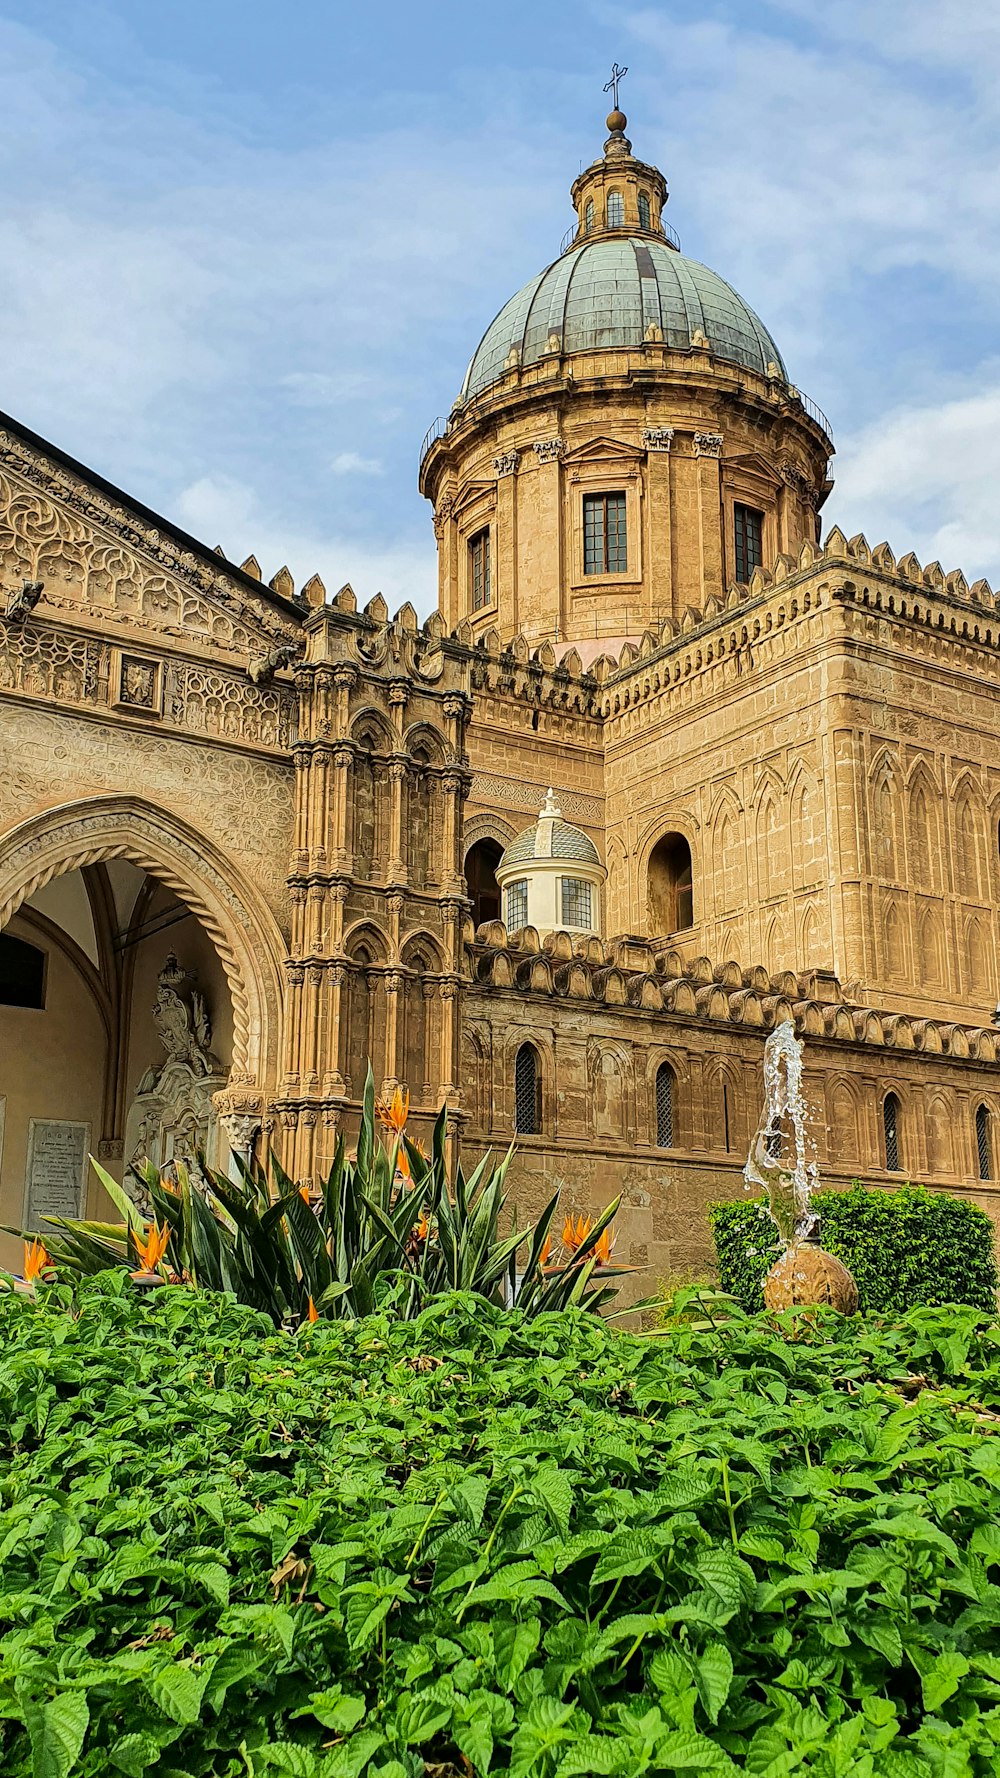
[[588, 217], [616, 210], [644, 221], [665, 1091], [527, 1091], [671, 885]]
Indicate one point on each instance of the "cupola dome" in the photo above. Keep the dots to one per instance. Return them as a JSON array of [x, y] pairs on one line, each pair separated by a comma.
[[551, 875]]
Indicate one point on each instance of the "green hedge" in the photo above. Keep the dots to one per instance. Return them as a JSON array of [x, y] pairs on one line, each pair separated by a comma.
[[907, 1248]]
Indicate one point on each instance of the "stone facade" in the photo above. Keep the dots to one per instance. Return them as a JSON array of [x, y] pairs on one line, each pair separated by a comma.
[[305, 782]]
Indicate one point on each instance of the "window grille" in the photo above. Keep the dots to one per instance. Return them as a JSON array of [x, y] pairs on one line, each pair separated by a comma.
[[479, 570], [605, 548], [749, 527], [22, 973], [664, 1106], [643, 210], [588, 217], [890, 1125], [616, 209], [577, 902], [527, 1092], [983, 1143], [516, 905]]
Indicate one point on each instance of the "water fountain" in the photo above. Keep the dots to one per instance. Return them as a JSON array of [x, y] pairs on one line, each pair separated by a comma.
[[780, 1164]]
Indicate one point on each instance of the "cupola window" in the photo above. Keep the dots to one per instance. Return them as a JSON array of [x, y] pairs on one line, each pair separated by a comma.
[[577, 900], [643, 210], [480, 570], [588, 217], [616, 210], [605, 545], [748, 525], [515, 905]]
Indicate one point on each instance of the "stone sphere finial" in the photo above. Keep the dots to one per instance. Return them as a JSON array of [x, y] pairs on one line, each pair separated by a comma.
[[616, 121]]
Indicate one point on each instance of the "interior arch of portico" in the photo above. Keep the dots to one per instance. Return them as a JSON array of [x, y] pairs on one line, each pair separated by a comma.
[[243, 931]]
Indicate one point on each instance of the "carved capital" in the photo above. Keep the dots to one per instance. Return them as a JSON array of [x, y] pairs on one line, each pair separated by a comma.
[[658, 438], [342, 757], [393, 981], [241, 1129], [394, 903], [548, 449], [456, 706], [397, 771], [345, 674], [708, 444], [399, 692], [507, 463]]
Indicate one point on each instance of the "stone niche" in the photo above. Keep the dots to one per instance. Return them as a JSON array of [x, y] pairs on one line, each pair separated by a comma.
[[172, 1118]]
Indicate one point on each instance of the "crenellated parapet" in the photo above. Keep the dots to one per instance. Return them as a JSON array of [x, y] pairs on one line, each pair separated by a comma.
[[634, 975]]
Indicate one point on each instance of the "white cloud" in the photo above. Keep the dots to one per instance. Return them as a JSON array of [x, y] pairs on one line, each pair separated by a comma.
[[925, 478], [229, 512], [352, 463]]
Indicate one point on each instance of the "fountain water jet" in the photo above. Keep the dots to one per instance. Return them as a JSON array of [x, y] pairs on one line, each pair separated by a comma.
[[780, 1163]]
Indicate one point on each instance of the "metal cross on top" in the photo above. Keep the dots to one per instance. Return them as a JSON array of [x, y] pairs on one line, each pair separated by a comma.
[[612, 87]]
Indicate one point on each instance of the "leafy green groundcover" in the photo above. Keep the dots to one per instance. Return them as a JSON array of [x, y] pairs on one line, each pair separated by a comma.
[[472, 1543], [905, 1247]]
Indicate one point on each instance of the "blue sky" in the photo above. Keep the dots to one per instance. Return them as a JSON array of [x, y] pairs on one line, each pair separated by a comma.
[[249, 248]]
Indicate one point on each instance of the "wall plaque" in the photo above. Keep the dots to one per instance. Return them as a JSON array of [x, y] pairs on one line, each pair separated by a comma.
[[57, 1166]]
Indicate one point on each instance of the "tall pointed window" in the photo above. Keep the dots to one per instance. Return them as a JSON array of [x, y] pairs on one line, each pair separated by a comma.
[[480, 570], [643, 210], [890, 1131], [664, 1106], [984, 1146], [616, 210], [605, 546], [527, 1091], [748, 525]]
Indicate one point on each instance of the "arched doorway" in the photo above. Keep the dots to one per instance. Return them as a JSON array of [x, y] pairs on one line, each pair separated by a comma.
[[671, 888], [158, 1027], [481, 862]]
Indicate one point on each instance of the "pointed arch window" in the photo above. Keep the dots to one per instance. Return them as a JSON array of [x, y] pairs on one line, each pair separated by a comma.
[[665, 1095], [527, 1091], [643, 210], [890, 1132], [984, 1143], [616, 210]]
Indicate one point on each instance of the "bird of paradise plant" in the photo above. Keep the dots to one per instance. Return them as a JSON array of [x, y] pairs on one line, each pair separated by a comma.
[[36, 1260], [150, 1250], [356, 1243]]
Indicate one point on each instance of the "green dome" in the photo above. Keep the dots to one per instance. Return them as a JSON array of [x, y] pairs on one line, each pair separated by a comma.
[[567, 842], [606, 294]]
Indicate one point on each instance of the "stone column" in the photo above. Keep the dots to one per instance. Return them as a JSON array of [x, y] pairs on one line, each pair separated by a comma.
[[505, 565], [659, 576], [393, 988], [708, 454], [396, 869]]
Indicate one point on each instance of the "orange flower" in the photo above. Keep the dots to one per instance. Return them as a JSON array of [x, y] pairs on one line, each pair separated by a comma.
[[304, 1194], [604, 1245], [403, 1163], [151, 1250], [575, 1232], [394, 1114], [423, 1228], [313, 1311], [36, 1260], [546, 1249]]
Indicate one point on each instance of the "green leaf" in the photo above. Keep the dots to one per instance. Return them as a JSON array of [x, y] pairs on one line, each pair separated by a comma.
[[423, 1717], [178, 1691], [629, 1553], [554, 1492], [57, 1730], [714, 1675], [470, 1497], [133, 1753], [942, 1678], [213, 1577], [335, 1710]]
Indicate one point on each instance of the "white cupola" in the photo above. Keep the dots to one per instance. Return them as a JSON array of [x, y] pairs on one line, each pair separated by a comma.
[[551, 876]]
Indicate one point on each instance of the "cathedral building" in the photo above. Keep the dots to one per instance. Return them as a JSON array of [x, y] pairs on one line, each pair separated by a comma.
[[662, 769]]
